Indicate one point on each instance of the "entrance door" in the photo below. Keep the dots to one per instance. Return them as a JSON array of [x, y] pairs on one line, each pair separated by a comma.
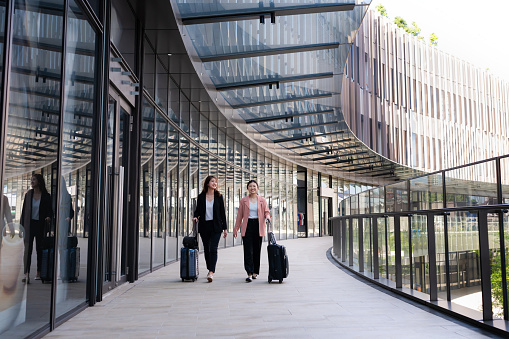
[[325, 222], [117, 165]]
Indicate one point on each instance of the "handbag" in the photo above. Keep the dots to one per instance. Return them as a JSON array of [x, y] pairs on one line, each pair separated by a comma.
[[191, 241]]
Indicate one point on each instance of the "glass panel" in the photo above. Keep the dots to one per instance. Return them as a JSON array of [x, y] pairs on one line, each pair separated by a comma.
[[149, 69], [204, 132], [162, 86], [159, 189], [183, 194], [397, 197], [174, 111], [123, 31], [31, 148], [75, 202], [172, 194], [441, 255], [427, 192], [355, 243], [146, 177], [194, 124], [368, 243], [406, 267], [496, 265], [185, 119], [472, 185], [221, 138], [364, 202], [420, 258], [463, 232], [391, 249], [213, 138]]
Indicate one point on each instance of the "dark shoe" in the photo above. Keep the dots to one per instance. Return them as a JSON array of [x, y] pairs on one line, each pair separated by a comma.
[[249, 279], [255, 276]]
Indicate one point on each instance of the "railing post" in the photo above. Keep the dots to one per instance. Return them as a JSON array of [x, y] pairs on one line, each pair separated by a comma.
[[361, 245], [350, 242], [433, 291], [484, 250], [343, 240], [397, 241], [376, 268]]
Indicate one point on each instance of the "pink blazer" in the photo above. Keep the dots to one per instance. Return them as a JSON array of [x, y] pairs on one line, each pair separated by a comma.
[[243, 214]]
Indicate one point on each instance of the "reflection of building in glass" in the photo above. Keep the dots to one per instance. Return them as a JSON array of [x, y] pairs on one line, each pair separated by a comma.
[[419, 106]]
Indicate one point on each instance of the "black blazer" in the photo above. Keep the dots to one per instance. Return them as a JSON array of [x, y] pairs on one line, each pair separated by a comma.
[[45, 209], [219, 214]]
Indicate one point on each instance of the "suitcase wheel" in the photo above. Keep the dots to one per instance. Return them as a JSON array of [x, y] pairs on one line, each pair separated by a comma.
[[280, 281], [270, 280], [182, 279]]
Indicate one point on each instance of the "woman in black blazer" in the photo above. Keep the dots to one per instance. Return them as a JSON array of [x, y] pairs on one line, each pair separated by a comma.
[[210, 214], [36, 212]]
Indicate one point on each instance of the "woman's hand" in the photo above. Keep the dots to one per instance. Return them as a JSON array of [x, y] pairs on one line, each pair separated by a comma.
[[235, 234], [195, 219], [48, 219], [225, 233]]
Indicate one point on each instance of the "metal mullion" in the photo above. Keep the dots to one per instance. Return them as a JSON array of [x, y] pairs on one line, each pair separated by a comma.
[[350, 241], [447, 262], [99, 170], [376, 263], [9, 15], [487, 306], [433, 293], [397, 248], [284, 117], [361, 244], [410, 252], [503, 258], [59, 163], [386, 248]]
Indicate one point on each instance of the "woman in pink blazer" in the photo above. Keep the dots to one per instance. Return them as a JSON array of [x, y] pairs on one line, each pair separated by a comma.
[[253, 211]]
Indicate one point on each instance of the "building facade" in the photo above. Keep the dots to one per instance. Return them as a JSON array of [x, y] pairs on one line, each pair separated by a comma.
[[419, 106], [103, 107]]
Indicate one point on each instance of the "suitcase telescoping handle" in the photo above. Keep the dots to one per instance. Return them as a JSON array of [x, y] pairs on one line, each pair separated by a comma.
[[270, 236]]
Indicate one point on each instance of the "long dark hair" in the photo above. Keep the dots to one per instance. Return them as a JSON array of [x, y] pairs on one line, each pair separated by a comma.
[[206, 185], [41, 183]]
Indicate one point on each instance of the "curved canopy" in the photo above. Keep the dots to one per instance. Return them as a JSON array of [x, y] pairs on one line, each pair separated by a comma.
[[279, 66]]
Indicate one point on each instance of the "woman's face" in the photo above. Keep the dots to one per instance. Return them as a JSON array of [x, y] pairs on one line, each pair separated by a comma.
[[252, 188], [213, 183], [34, 183]]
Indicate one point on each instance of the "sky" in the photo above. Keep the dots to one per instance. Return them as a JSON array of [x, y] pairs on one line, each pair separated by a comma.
[[475, 31]]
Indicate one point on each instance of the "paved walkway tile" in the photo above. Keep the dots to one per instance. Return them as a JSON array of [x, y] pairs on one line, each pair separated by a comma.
[[318, 300]]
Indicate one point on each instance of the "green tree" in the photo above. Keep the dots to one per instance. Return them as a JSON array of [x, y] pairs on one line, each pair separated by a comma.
[[400, 22], [496, 283], [433, 39], [414, 30], [381, 9]]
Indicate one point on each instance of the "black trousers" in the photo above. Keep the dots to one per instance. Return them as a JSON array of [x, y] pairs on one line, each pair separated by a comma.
[[36, 232], [210, 241], [252, 247]]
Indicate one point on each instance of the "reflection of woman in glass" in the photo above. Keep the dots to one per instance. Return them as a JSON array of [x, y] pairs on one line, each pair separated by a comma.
[[37, 210], [6, 215], [211, 215]]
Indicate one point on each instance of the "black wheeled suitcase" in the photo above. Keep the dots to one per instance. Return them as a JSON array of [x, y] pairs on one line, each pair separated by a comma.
[[278, 259], [47, 265], [189, 257], [70, 264], [188, 264]]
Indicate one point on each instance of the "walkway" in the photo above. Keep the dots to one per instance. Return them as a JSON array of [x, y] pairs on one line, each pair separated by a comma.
[[318, 300]]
